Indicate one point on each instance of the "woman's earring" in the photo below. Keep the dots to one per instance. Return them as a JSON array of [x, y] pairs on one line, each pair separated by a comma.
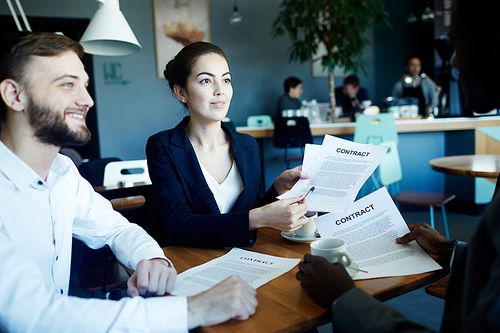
[[183, 100]]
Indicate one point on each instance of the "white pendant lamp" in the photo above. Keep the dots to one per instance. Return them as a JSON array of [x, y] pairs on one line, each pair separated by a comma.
[[108, 33]]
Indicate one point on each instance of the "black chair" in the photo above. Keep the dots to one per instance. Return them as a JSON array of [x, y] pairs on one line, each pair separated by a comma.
[[98, 269], [72, 153], [93, 170], [291, 132], [145, 214]]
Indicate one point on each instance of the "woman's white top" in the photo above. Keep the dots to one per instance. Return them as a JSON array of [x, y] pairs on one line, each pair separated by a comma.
[[227, 192]]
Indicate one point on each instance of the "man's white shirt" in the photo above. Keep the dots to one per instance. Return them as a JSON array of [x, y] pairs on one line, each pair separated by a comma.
[[37, 221]]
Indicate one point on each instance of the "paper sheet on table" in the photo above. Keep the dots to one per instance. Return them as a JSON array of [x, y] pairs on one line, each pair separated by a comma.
[[339, 170], [255, 268], [370, 229]]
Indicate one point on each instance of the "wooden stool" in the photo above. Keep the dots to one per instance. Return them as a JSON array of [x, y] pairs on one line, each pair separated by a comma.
[[438, 288], [426, 199]]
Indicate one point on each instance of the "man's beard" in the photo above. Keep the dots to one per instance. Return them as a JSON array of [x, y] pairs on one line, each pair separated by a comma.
[[50, 128]]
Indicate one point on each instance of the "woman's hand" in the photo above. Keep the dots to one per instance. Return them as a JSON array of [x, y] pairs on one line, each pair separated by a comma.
[[285, 215], [284, 182]]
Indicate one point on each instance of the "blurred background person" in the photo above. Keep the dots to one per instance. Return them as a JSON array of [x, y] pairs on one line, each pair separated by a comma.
[[290, 100], [419, 85], [350, 97]]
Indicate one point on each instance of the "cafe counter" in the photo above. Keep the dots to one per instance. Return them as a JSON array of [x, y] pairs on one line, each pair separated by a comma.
[[420, 140], [402, 126]]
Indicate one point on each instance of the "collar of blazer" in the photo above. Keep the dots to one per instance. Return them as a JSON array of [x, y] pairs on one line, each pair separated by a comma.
[[185, 157]]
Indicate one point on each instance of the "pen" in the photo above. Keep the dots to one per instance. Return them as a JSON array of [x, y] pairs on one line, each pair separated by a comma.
[[311, 190], [357, 269]]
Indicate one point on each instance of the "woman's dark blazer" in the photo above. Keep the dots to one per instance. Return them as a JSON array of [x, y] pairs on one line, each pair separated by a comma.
[[188, 210]]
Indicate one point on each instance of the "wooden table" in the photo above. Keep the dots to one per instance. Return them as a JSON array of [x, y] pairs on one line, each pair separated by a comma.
[[438, 289], [487, 166], [126, 201], [283, 305]]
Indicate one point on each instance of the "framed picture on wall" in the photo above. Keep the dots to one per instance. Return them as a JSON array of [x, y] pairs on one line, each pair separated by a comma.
[[177, 24], [318, 70]]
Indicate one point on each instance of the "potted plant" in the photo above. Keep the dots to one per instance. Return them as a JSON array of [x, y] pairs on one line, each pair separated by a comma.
[[339, 25]]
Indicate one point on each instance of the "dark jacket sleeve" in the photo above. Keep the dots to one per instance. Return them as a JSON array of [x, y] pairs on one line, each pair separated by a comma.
[[357, 311], [188, 210]]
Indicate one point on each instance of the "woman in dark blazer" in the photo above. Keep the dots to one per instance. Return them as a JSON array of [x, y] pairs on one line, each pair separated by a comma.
[[207, 178]]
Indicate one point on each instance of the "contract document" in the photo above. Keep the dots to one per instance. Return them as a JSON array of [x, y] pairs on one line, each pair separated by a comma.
[[337, 170], [370, 229], [255, 268]]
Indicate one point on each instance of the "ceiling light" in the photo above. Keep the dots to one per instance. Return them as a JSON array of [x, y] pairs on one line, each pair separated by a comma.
[[236, 17], [109, 33]]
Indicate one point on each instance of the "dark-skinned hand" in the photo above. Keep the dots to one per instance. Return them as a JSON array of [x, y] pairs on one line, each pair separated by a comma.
[[435, 244], [324, 282]]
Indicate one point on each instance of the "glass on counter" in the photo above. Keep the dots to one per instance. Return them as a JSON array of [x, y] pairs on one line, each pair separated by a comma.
[[310, 110], [402, 107]]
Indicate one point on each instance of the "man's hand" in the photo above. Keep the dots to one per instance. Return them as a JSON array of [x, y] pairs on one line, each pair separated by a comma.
[[284, 182], [435, 244], [324, 282], [153, 276], [232, 298]]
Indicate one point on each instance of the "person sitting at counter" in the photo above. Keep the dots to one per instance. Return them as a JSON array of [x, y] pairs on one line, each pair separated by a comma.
[[207, 178], [290, 99], [350, 96], [419, 85]]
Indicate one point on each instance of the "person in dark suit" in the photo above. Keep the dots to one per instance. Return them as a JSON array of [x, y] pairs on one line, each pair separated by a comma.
[[350, 96], [207, 178], [473, 294]]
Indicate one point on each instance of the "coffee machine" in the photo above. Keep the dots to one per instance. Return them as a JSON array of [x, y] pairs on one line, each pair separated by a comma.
[[450, 99]]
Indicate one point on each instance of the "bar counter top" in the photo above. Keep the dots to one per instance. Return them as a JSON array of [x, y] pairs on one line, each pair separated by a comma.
[[402, 126]]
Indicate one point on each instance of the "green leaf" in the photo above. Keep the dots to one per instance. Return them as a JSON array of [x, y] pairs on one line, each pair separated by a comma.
[[339, 25]]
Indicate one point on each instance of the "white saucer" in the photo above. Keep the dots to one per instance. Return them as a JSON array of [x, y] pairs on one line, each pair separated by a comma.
[[292, 236], [352, 272]]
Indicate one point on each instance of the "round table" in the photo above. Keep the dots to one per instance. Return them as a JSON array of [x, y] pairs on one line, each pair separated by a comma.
[[487, 166]]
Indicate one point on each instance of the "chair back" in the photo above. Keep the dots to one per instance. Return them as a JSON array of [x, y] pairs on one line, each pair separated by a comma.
[[72, 153], [126, 171], [380, 129], [145, 214], [390, 167], [375, 129], [259, 121], [93, 170], [291, 132]]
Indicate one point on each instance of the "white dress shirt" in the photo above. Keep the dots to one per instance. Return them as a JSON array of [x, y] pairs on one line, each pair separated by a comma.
[[37, 221]]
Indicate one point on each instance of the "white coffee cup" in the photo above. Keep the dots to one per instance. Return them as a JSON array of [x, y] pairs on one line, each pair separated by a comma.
[[309, 228], [332, 249], [338, 111]]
